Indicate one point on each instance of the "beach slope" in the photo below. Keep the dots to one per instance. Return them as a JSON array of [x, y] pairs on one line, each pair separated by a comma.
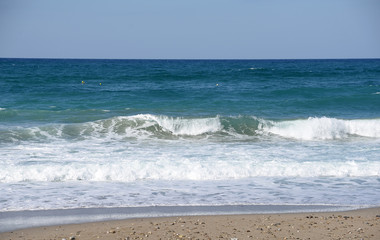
[[357, 224]]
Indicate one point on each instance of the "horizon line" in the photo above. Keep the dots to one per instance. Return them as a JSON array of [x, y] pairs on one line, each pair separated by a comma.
[[189, 59]]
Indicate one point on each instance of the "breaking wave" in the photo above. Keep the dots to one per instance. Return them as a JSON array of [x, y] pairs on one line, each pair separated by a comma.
[[325, 128], [148, 126]]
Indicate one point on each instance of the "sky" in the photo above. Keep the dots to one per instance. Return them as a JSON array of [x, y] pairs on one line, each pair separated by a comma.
[[190, 29]]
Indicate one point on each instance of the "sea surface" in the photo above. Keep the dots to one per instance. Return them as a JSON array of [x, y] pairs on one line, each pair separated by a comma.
[[136, 133]]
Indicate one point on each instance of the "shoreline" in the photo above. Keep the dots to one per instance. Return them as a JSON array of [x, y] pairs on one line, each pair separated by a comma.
[[13, 220], [318, 224], [355, 224]]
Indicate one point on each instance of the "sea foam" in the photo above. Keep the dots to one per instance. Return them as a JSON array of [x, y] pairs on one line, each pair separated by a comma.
[[324, 128], [129, 170]]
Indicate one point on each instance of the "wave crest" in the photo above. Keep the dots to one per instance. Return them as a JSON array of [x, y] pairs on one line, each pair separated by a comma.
[[148, 126], [325, 128], [182, 126]]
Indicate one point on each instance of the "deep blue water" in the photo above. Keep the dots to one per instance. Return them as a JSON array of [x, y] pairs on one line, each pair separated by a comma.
[[274, 89]]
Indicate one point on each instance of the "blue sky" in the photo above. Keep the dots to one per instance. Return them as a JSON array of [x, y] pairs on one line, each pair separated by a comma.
[[190, 29]]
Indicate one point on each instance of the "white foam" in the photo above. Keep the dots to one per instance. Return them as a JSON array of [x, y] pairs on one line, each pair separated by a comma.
[[110, 170], [162, 169], [324, 128], [121, 161]]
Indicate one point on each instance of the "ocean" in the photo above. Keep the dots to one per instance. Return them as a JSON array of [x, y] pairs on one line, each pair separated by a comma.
[[142, 133]]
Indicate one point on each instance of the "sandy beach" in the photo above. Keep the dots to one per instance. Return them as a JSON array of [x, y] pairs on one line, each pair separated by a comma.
[[357, 224]]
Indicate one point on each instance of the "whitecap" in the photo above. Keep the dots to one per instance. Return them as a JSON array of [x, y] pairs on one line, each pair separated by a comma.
[[324, 128]]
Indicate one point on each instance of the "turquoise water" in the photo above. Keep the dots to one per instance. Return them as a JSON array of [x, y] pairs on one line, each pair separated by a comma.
[[47, 90], [117, 133]]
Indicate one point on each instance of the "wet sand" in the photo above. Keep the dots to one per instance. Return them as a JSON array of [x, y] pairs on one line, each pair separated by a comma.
[[357, 224]]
